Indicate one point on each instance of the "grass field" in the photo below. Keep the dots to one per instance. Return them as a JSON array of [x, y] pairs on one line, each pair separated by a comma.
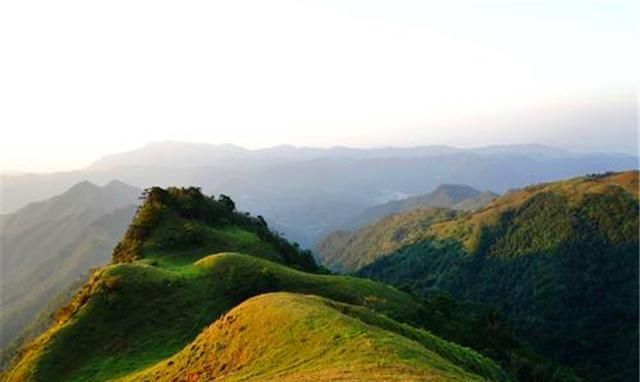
[[293, 337], [141, 313]]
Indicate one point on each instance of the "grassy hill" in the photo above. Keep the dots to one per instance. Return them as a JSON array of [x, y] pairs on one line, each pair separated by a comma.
[[559, 259], [164, 306], [292, 337]]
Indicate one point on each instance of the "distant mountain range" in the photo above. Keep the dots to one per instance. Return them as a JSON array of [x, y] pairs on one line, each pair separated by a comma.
[[307, 192], [457, 197], [387, 225], [50, 245]]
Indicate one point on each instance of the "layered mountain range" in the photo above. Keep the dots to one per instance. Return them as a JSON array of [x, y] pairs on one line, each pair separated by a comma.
[[49, 246], [305, 191]]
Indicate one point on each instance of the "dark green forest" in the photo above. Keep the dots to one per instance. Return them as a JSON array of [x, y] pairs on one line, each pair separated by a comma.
[[563, 272]]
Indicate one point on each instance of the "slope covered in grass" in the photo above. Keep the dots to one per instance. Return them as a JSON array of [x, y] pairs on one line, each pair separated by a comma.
[[292, 337], [136, 314], [559, 259]]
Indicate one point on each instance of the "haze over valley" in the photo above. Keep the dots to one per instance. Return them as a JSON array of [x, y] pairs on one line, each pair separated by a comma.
[[307, 192]]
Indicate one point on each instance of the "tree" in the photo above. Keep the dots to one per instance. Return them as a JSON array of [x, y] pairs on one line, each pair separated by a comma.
[[227, 202]]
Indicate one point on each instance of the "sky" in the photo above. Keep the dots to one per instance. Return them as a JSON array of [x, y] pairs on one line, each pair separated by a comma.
[[82, 79]]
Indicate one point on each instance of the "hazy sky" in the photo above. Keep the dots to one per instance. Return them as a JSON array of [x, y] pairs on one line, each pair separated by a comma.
[[80, 79]]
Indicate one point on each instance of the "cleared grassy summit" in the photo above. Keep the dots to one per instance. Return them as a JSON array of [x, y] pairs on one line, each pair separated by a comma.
[[292, 337], [133, 315]]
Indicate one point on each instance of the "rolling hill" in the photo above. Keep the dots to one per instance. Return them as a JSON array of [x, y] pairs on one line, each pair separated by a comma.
[[559, 259], [293, 337], [189, 295]]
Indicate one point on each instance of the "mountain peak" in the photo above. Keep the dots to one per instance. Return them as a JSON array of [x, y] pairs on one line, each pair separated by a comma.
[[83, 187], [116, 184], [448, 187]]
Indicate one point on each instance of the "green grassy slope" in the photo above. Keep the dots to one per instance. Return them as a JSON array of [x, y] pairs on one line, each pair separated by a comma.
[[292, 337], [387, 227], [560, 259], [138, 314]]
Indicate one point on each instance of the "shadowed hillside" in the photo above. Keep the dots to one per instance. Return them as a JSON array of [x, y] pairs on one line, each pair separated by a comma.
[[560, 259], [345, 251]]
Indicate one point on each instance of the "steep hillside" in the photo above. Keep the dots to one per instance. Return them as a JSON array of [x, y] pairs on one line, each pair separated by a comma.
[[289, 337], [184, 219], [345, 251], [457, 197], [352, 248], [560, 259], [46, 246], [34, 232], [37, 292]]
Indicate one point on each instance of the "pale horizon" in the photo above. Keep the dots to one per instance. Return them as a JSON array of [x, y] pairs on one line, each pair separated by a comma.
[[83, 80], [13, 172]]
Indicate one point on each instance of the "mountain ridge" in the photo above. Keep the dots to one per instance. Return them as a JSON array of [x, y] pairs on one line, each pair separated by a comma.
[[560, 259], [454, 196]]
